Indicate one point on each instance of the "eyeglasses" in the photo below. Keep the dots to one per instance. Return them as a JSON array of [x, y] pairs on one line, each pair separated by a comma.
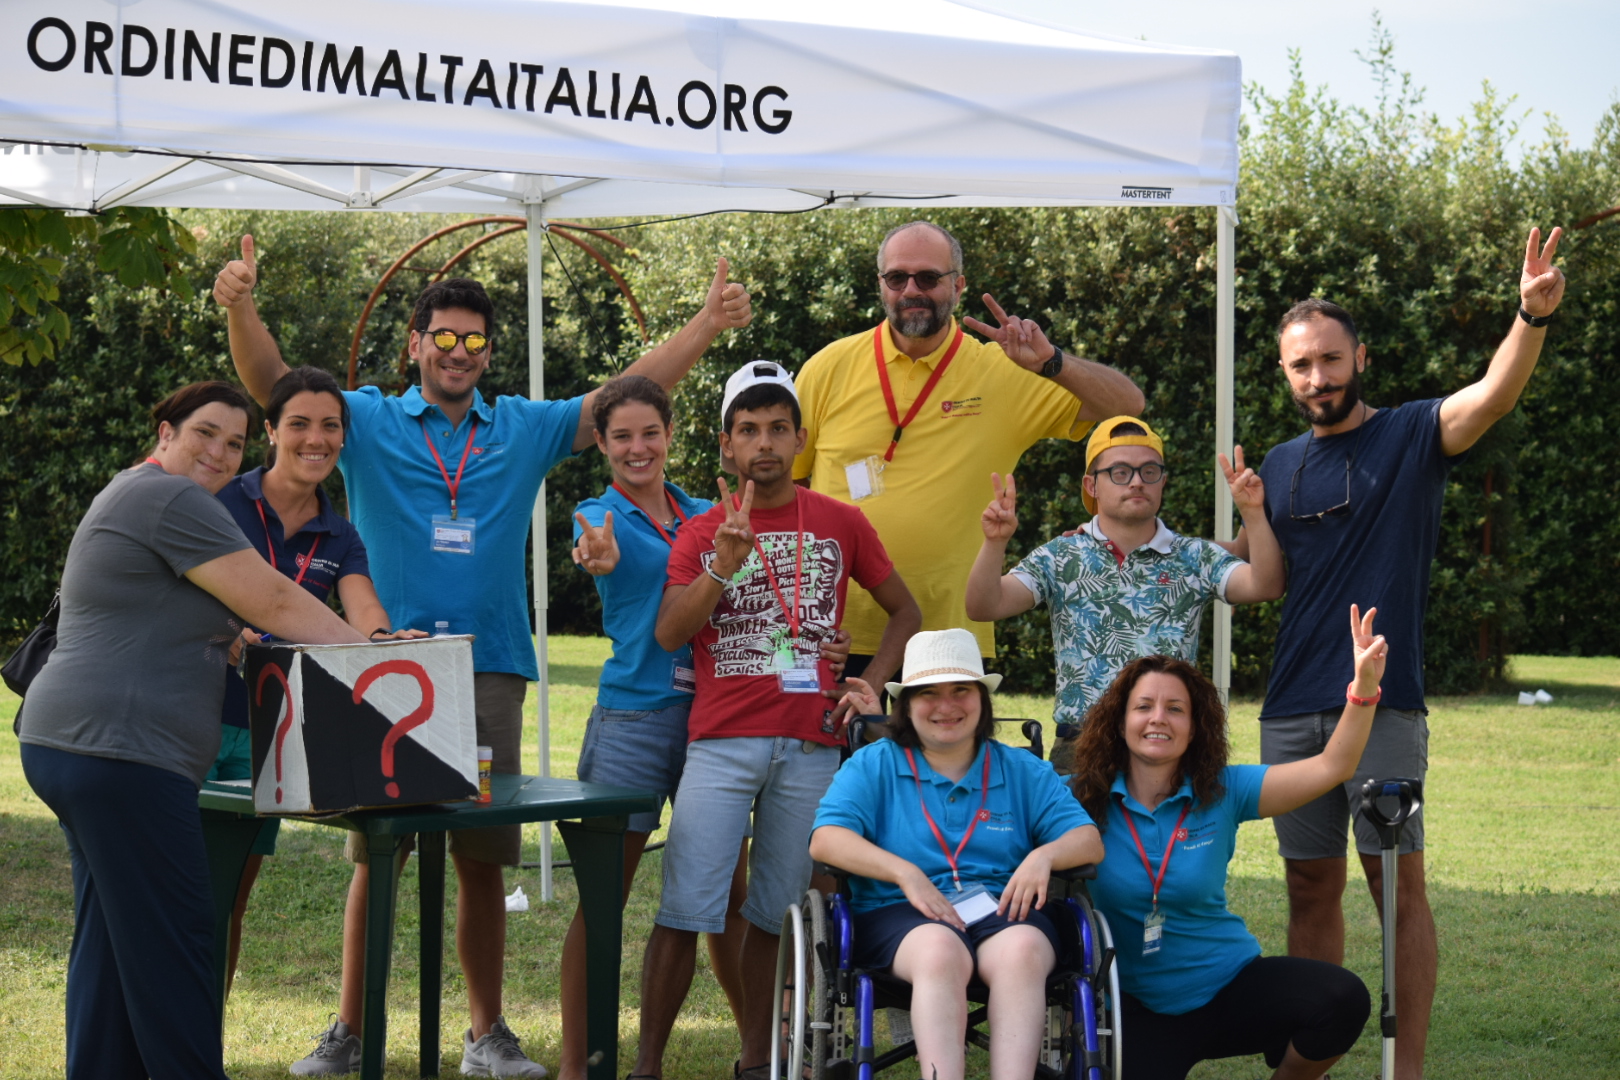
[[925, 279], [1151, 473], [1332, 511], [446, 341]]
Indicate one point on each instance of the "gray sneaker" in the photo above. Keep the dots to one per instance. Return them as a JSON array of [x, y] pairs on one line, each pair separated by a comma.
[[496, 1054], [336, 1052]]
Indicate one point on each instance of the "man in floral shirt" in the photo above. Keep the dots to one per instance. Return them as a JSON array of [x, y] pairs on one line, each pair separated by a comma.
[[1124, 585]]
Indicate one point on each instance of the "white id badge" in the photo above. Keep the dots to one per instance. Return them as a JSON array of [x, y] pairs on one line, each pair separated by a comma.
[[864, 477], [454, 535], [1152, 932], [799, 680], [683, 680], [974, 903]]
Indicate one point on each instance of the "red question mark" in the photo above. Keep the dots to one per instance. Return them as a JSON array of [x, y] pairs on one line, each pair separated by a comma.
[[414, 720], [286, 724]]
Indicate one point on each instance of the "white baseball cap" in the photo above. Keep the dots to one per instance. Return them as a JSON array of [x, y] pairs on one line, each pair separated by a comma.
[[755, 373], [942, 656]]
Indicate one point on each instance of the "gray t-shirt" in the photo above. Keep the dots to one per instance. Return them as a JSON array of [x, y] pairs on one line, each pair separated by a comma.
[[139, 668]]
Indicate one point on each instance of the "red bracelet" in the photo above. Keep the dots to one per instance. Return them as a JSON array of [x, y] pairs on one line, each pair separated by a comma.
[[1350, 695]]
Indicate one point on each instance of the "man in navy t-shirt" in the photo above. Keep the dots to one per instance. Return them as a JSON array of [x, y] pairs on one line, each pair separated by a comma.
[[1355, 504]]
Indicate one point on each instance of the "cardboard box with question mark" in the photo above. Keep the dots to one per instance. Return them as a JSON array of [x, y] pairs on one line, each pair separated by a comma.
[[352, 727]]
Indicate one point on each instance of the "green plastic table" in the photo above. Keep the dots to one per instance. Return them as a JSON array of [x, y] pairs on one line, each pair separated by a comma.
[[595, 843]]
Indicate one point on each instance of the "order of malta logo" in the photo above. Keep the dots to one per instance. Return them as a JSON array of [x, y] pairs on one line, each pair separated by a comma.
[[1181, 833], [972, 406]]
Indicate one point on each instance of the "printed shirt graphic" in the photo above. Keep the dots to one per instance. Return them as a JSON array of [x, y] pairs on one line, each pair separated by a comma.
[[1106, 614], [736, 651]]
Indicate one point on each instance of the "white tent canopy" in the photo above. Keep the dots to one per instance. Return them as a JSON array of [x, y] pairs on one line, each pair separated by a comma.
[[585, 109]]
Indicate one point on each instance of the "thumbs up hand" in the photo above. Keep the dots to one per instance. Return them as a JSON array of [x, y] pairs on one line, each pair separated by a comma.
[[728, 305], [234, 285]]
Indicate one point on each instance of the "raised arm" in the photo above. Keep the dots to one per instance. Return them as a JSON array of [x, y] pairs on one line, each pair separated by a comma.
[[850, 851], [1288, 787], [992, 595], [268, 599], [686, 608], [727, 307], [1470, 412], [258, 361], [1263, 574], [1103, 392]]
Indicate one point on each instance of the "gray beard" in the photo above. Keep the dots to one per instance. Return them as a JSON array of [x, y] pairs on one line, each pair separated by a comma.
[[919, 322]]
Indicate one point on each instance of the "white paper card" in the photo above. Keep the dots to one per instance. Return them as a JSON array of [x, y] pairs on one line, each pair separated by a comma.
[[974, 903]]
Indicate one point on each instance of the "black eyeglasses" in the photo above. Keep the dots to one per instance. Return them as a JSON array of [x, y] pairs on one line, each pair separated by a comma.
[[925, 279], [446, 340], [1151, 473], [1332, 511]]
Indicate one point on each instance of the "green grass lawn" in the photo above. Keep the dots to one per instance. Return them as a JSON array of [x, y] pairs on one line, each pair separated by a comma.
[[1526, 891]]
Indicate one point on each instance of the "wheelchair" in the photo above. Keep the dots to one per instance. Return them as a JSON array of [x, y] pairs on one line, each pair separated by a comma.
[[825, 1007]]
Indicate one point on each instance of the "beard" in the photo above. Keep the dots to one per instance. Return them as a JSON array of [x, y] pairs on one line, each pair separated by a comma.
[[918, 316], [1329, 415]]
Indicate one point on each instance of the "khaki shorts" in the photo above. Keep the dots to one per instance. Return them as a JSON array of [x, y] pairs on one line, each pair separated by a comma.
[[498, 708]]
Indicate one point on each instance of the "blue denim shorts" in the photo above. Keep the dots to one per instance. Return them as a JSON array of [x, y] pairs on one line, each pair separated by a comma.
[[781, 782], [633, 749]]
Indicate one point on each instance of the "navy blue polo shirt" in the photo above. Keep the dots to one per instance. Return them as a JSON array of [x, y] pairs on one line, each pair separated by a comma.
[[640, 674], [335, 545], [395, 491]]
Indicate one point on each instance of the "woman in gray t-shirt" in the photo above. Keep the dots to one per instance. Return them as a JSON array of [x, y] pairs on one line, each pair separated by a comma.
[[122, 723]]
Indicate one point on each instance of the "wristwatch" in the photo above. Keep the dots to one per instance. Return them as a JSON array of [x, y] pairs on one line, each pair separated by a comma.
[[1050, 369], [1534, 320]]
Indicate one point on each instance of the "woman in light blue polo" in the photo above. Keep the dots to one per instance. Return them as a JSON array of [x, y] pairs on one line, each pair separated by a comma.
[[950, 838], [1151, 768]]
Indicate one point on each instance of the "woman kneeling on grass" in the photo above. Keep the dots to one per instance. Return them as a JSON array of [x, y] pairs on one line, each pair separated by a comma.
[[1152, 758], [950, 838]]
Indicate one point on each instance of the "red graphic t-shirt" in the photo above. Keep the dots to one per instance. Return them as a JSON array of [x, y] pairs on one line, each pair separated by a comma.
[[736, 651]]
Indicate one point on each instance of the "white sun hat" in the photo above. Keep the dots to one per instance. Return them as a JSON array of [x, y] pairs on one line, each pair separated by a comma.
[[752, 374], [942, 656]]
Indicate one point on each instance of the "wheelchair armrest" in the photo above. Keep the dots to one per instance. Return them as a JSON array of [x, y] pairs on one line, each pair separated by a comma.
[[1083, 872], [840, 876]]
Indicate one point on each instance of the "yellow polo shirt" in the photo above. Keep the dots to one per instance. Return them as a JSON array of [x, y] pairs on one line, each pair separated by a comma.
[[985, 412]]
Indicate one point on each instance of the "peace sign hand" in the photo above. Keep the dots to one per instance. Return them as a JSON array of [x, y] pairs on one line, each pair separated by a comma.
[[1024, 342], [1371, 652], [1541, 284], [734, 539], [1248, 490], [596, 552], [1000, 518]]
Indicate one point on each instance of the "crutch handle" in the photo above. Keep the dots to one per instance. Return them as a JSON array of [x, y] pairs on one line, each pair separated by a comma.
[[1389, 804]]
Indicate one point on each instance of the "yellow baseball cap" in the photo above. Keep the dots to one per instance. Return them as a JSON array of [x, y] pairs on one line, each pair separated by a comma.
[[1103, 438]]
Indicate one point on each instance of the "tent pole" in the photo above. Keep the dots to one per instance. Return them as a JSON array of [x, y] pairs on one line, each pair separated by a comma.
[[535, 211], [1225, 228]]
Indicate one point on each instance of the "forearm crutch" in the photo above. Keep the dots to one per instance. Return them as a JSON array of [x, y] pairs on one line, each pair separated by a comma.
[[1388, 805]]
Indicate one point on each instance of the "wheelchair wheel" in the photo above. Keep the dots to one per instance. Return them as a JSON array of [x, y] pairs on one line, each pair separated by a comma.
[[802, 1009], [1110, 1008]]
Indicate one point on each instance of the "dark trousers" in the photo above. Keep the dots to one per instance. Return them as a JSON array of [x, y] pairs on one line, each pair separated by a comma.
[[142, 997], [1320, 1008]]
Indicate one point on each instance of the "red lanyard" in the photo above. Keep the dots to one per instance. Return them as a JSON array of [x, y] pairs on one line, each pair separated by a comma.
[[466, 452], [982, 815], [792, 613], [668, 539], [1157, 879], [270, 551], [888, 391]]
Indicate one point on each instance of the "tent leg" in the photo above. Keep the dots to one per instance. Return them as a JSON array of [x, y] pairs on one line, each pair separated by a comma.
[[1225, 229], [537, 391]]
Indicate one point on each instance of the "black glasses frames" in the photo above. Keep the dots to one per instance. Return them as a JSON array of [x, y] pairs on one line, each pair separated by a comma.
[[926, 279], [1151, 473], [1332, 511]]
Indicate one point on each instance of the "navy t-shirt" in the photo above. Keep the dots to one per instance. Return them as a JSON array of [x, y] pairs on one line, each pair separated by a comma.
[[328, 545], [1377, 555]]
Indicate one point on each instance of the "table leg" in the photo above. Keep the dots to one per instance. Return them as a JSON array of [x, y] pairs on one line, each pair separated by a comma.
[[229, 839], [382, 850], [596, 846], [430, 870]]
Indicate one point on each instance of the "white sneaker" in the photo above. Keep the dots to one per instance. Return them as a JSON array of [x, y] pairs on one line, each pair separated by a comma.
[[336, 1052], [496, 1054]]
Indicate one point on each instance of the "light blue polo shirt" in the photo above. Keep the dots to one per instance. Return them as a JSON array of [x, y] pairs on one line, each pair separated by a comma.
[[874, 795], [395, 490], [640, 674], [1204, 945]]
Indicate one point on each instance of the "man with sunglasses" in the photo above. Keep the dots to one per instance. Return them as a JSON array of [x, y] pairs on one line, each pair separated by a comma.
[[903, 419], [1355, 503], [442, 484], [1123, 586]]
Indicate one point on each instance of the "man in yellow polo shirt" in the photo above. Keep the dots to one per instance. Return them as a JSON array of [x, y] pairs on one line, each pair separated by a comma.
[[908, 421]]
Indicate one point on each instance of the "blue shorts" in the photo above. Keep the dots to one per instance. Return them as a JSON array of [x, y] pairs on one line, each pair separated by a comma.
[[878, 933], [235, 762], [642, 750], [777, 779]]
